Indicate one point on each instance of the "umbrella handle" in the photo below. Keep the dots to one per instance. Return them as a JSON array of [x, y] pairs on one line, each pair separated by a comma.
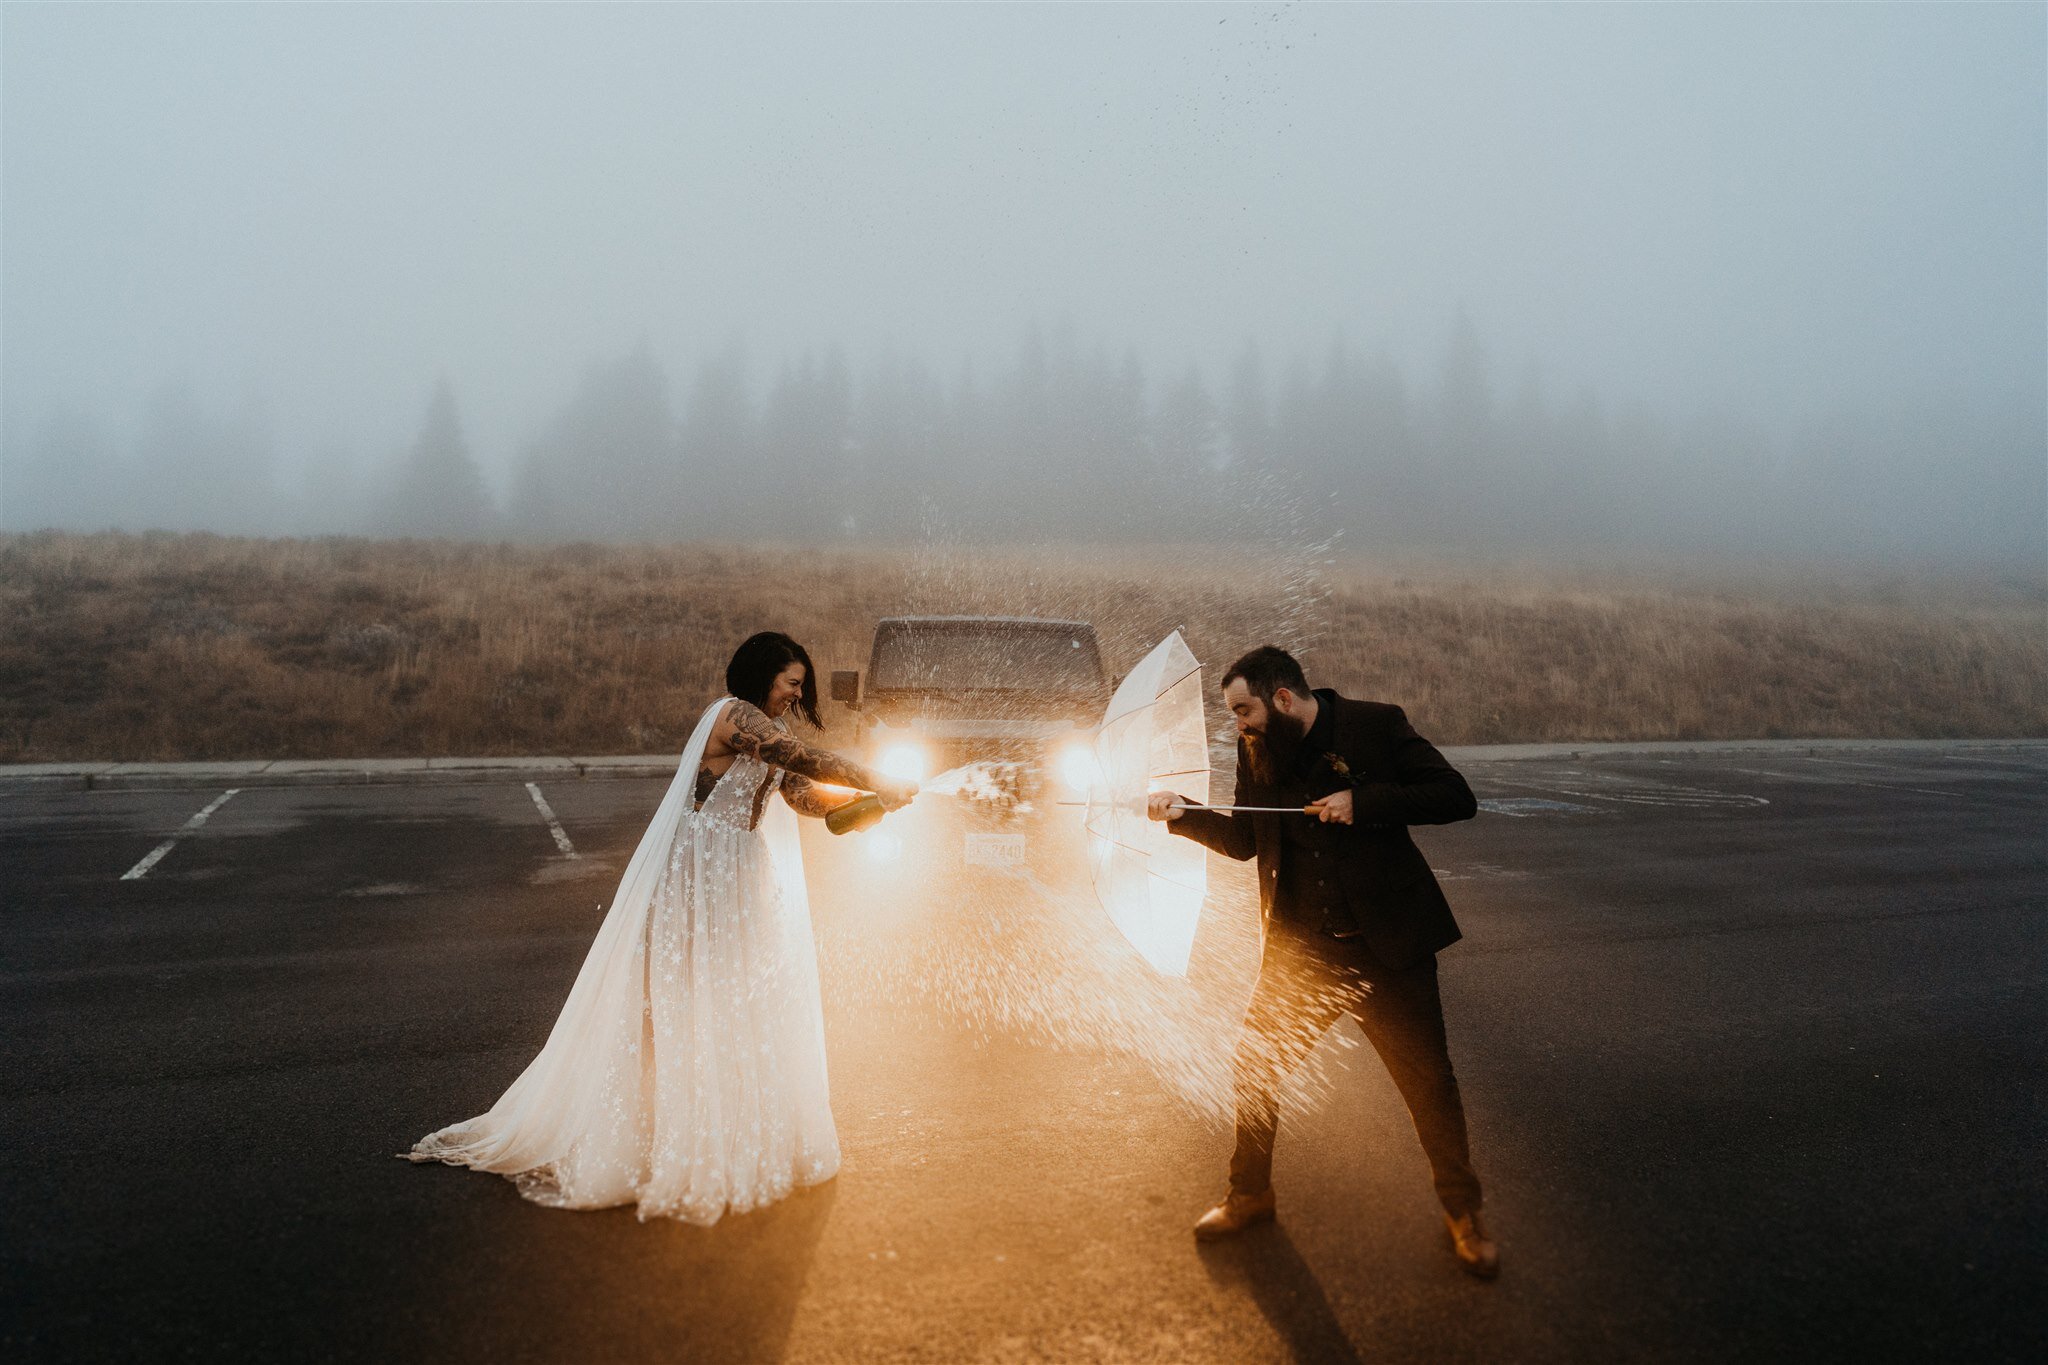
[[1248, 810]]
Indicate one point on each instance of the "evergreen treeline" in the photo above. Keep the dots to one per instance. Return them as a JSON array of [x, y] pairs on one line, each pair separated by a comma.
[[1076, 442]]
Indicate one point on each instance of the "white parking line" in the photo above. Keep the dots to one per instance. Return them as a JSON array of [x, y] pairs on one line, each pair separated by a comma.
[[2020, 763], [1817, 779], [155, 855], [1640, 792], [1520, 806], [554, 825], [1882, 767]]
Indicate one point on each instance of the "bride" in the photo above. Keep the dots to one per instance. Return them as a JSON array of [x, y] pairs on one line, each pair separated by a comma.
[[686, 1073]]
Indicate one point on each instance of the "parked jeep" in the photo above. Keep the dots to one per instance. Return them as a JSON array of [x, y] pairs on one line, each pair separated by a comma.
[[1016, 694]]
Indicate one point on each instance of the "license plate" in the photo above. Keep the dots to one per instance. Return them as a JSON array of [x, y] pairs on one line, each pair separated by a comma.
[[995, 850]]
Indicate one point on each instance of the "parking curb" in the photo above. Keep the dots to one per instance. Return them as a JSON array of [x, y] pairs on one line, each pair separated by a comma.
[[324, 773], [1700, 748]]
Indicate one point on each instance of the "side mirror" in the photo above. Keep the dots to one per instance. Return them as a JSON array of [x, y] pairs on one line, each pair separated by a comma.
[[846, 687]]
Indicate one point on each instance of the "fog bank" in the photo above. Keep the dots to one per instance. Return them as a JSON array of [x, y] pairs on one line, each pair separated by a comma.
[[1740, 279]]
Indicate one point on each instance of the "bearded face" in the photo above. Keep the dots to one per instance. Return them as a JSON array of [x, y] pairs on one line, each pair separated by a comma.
[[1274, 745]]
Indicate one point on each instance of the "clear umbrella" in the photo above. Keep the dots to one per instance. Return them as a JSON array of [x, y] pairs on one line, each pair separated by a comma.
[[1153, 738]]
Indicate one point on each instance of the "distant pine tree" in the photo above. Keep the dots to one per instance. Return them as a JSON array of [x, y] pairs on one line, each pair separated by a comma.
[[440, 490]]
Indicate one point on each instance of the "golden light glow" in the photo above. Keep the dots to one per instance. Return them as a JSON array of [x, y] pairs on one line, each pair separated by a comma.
[[1079, 769], [883, 847], [906, 762]]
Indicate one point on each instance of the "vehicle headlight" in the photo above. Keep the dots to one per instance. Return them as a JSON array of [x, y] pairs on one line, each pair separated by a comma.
[[1078, 768], [906, 761]]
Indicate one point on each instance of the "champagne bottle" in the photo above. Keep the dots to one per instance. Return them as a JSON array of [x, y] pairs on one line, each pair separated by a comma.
[[863, 812]]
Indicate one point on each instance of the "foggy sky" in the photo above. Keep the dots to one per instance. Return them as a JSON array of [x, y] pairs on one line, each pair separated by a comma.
[[315, 213]]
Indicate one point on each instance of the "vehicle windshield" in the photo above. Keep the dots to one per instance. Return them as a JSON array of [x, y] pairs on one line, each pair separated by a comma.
[[972, 655]]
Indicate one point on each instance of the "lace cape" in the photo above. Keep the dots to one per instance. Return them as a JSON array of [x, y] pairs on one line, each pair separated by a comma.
[[535, 1122]]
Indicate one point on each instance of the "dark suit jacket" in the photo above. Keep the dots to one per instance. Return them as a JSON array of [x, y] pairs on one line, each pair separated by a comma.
[[1401, 781]]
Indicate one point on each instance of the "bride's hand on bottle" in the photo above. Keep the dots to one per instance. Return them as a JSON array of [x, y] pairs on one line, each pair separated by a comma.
[[897, 795]]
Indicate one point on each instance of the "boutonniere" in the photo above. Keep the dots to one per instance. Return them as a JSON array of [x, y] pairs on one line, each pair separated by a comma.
[[1340, 767]]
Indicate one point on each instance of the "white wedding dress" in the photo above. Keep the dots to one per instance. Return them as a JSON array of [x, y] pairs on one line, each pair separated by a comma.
[[686, 1073]]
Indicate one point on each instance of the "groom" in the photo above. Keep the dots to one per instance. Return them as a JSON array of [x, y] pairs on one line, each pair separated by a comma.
[[1353, 919]]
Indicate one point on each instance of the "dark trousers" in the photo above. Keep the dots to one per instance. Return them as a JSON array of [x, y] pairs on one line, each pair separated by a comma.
[[1306, 980]]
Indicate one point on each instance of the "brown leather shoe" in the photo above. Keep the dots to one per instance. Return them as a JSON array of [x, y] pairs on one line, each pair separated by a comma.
[[1476, 1251], [1236, 1213]]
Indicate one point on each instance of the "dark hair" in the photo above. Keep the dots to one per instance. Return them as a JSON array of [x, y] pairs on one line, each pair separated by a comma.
[[1266, 670], [756, 664]]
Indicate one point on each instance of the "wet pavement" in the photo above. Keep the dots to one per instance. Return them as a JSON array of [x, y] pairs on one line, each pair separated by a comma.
[[1750, 1042]]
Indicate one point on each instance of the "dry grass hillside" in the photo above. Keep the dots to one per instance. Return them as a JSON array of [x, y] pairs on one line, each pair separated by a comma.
[[203, 647]]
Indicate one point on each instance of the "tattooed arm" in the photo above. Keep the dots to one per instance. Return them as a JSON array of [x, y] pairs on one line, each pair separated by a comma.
[[813, 798], [804, 766]]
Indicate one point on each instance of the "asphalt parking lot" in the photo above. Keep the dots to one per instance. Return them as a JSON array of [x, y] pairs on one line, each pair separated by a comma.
[[1751, 1044]]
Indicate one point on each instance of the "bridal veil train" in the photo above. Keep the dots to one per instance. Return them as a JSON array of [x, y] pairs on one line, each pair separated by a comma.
[[686, 1073]]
